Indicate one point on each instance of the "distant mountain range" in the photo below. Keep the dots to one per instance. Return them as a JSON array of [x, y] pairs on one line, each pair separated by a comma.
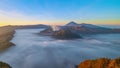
[[29, 26], [83, 28], [72, 23], [89, 28], [76, 28]]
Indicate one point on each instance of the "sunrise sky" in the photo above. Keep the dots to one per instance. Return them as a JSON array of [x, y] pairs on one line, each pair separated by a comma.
[[55, 12]]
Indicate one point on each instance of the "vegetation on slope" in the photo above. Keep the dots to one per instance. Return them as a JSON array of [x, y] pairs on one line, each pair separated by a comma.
[[4, 65], [100, 63]]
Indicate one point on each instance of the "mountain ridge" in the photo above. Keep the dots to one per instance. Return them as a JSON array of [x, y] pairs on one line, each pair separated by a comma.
[[72, 23]]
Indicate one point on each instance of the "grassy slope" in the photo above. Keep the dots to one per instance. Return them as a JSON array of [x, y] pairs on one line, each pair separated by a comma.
[[6, 34]]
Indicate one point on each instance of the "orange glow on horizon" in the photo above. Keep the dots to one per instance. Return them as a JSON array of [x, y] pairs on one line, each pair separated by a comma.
[[30, 23], [97, 22]]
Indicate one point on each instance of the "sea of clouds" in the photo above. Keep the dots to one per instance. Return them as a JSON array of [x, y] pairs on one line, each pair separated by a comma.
[[35, 51]]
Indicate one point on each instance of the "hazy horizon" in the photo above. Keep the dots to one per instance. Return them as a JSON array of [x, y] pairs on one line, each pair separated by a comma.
[[106, 25], [59, 12]]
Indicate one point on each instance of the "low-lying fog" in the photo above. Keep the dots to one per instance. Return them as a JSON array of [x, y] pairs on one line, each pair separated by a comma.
[[34, 51]]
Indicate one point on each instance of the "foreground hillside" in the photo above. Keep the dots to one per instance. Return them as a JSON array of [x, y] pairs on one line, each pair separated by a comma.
[[6, 34], [101, 63], [4, 65]]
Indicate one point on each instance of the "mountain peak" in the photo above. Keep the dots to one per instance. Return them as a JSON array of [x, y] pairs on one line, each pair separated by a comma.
[[72, 23]]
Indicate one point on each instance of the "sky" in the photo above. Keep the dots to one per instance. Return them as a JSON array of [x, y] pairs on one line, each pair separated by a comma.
[[59, 12]]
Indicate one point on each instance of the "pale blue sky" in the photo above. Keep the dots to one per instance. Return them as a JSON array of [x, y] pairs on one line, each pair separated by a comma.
[[48, 11]]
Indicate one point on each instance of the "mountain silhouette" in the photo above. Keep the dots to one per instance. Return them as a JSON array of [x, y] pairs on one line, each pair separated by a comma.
[[72, 23]]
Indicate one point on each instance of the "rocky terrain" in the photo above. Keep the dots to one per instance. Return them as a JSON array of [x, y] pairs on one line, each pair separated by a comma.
[[47, 32], [81, 29], [4, 65], [6, 34], [60, 34], [72, 30], [100, 63], [66, 34]]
